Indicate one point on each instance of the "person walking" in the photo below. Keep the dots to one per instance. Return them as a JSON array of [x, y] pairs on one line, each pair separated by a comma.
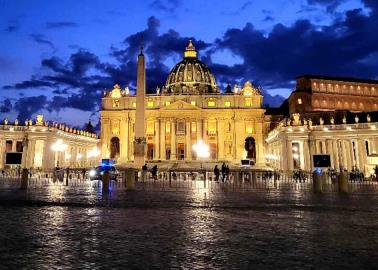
[[224, 171]]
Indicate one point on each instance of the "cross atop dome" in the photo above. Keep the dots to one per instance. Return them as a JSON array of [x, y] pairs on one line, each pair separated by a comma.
[[190, 51]]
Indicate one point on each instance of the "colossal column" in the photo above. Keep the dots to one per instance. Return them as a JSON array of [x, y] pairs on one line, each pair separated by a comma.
[[156, 140], [162, 140], [188, 141], [173, 140], [140, 133]]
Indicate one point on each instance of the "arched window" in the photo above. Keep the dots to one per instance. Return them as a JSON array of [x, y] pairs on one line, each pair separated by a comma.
[[114, 148]]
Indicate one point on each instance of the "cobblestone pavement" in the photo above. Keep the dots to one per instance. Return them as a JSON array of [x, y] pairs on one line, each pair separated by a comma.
[[58, 227]]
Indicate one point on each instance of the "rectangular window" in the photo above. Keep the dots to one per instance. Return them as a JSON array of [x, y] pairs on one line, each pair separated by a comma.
[[248, 128], [150, 103], [167, 103], [299, 101], [194, 127], [168, 127], [211, 103], [19, 147], [134, 104], [212, 127], [150, 128], [227, 103], [8, 146], [193, 103], [181, 127], [248, 102]]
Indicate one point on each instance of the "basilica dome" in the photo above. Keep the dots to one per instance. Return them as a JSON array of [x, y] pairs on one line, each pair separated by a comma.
[[190, 76]]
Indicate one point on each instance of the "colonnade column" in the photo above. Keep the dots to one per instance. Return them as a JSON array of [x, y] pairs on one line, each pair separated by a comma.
[[290, 162], [306, 156], [156, 140], [335, 153], [220, 139], [2, 151], [361, 154], [188, 143], [173, 140], [162, 140]]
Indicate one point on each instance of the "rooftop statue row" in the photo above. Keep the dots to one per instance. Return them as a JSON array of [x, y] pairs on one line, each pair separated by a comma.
[[247, 90], [39, 122]]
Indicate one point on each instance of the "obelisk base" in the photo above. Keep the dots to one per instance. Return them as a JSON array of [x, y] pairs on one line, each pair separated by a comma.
[[139, 152]]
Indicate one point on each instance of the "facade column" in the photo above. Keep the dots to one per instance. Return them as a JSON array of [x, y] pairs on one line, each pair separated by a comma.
[[239, 130], [29, 161], [126, 137], [220, 139], [162, 140], [173, 140], [204, 132], [2, 153], [260, 153], [199, 130], [156, 140], [123, 141], [188, 143]]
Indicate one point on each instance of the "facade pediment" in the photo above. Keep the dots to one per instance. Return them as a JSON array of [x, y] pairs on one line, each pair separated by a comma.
[[180, 105]]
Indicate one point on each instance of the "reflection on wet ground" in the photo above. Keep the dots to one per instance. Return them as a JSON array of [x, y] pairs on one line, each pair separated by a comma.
[[59, 227]]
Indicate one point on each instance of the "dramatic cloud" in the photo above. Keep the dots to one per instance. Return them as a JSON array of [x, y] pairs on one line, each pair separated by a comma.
[[58, 25], [345, 47], [26, 106]]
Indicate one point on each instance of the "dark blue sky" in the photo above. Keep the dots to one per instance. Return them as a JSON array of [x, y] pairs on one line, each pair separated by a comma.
[[56, 57]]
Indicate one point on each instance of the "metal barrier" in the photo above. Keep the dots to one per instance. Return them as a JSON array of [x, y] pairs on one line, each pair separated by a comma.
[[181, 180]]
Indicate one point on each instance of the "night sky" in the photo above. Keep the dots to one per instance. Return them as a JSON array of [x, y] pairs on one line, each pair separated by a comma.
[[56, 57]]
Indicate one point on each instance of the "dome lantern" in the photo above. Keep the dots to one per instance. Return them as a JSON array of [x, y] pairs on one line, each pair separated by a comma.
[[190, 51]]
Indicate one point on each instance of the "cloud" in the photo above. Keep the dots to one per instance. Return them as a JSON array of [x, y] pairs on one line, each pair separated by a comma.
[[330, 5], [41, 39], [60, 25], [11, 28], [166, 5], [27, 106], [6, 106]]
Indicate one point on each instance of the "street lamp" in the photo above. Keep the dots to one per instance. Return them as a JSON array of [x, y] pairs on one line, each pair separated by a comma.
[[201, 149], [58, 147], [93, 153]]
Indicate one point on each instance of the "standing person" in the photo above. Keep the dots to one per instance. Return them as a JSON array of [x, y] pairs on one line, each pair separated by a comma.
[[84, 172], [227, 173], [216, 172], [154, 171], [224, 171], [144, 171]]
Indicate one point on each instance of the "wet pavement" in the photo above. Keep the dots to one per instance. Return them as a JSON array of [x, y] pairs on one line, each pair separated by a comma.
[[76, 227]]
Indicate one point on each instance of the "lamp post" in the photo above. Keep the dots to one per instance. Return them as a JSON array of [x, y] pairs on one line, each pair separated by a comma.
[[202, 150], [93, 153], [58, 147]]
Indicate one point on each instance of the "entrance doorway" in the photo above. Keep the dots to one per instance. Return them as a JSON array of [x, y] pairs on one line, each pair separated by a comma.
[[150, 151], [180, 151], [250, 147], [114, 148]]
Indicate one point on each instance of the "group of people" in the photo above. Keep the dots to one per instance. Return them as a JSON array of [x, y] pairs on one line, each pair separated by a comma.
[[225, 171]]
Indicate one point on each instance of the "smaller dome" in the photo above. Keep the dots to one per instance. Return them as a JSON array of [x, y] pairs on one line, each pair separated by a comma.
[[249, 90]]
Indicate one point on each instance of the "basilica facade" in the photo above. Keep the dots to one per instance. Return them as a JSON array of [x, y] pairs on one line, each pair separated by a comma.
[[188, 109]]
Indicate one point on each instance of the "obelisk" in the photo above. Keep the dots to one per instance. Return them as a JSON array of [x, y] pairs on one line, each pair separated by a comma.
[[140, 134]]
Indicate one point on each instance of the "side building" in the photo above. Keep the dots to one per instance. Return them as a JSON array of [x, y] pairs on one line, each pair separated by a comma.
[[327, 116], [41, 145]]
